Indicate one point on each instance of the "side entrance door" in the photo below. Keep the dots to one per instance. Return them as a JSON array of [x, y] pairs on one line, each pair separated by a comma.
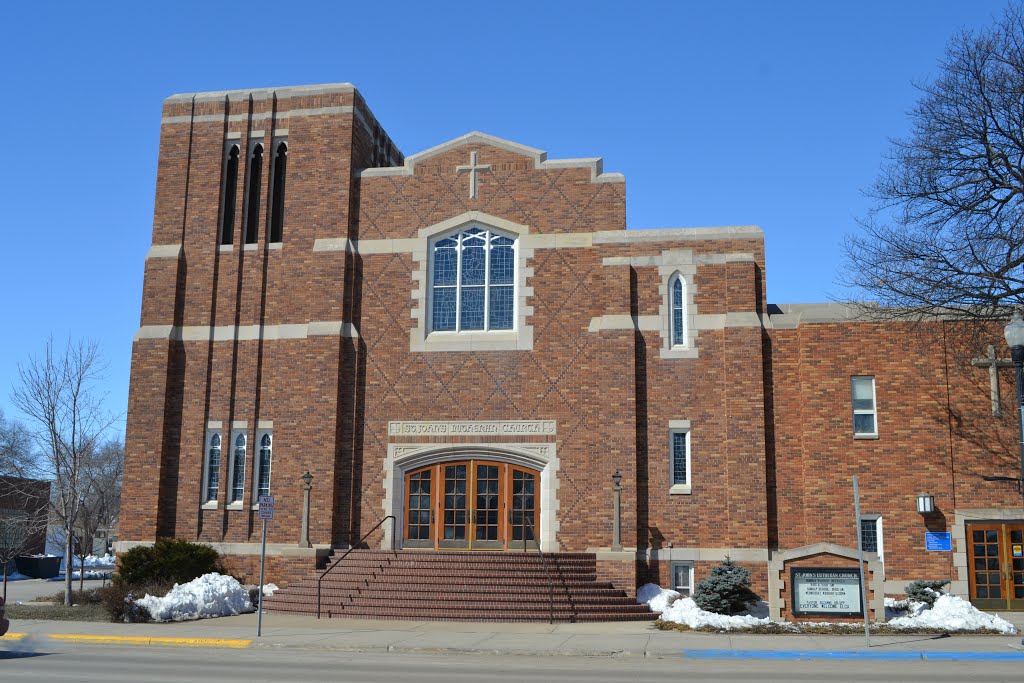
[[471, 505], [996, 563]]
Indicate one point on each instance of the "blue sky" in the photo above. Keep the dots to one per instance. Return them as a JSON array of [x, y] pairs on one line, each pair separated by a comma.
[[718, 113]]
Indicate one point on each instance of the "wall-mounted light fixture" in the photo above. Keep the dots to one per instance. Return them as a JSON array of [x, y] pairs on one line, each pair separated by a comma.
[[925, 503]]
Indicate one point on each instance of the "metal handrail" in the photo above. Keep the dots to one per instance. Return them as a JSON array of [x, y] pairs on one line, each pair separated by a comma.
[[545, 560], [354, 546]]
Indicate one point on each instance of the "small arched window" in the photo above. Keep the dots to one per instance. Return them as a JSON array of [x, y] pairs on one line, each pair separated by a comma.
[[252, 211], [277, 193], [213, 469], [677, 287], [227, 225], [263, 477], [238, 470]]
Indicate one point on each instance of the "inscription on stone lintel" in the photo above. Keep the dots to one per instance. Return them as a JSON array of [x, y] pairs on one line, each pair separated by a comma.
[[490, 428]]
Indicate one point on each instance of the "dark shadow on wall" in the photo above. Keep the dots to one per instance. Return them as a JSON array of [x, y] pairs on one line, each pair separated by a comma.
[[350, 425], [174, 391], [768, 382], [642, 484]]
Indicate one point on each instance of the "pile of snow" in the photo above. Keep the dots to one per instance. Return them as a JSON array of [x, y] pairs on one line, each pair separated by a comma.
[[950, 613], [211, 595], [107, 560], [685, 611], [269, 588], [15, 576]]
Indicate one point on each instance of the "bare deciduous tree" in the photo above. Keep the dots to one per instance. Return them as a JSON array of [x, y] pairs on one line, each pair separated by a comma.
[[56, 393], [16, 458], [100, 498], [946, 235]]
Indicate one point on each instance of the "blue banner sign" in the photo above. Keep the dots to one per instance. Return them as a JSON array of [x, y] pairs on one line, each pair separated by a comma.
[[938, 540]]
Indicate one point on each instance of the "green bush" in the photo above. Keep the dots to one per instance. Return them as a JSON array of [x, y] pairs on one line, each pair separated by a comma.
[[118, 600], [925, 591], [169, 560], [726, 590]]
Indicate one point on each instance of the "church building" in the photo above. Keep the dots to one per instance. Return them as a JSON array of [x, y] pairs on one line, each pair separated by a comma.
[[466, 353]]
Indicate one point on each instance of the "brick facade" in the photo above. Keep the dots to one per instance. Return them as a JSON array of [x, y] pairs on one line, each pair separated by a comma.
[[323, 340]]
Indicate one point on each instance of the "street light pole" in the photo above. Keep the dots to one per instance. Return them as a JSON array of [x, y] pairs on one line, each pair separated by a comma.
[[1014, 333]]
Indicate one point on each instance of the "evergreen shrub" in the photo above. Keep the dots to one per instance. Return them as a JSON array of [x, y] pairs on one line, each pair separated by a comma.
[[169, 560], [925, 591], [726, 590]]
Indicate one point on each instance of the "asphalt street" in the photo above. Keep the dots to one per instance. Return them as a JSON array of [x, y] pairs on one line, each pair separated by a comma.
[[33, 660]]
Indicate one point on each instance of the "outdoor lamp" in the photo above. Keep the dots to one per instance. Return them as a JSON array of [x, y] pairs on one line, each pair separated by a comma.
[[617, 478], [307, 479], [925, 503], [1014, 330]]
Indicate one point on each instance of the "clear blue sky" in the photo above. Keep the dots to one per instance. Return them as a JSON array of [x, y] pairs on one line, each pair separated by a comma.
[[718, 113]]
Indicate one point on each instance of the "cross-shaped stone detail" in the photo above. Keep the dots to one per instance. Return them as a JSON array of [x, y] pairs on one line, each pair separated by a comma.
[[993, 364], [473, 169]]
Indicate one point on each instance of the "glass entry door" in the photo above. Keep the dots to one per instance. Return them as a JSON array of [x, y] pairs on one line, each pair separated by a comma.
[[996, 564], [471, 505]]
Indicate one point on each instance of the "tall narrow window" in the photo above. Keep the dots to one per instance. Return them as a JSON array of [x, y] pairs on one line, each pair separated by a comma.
[[277, 193], [678, 319], [252, 190], [227, 226], [473, 282], [680, 458], [263, 472], [238, 470], [865, 424], [212, 469], [871, 536]]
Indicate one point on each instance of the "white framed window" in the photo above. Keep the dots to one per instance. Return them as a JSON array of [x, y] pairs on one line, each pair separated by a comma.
[[677, 309], [865, 417], [681, 576], [211, 468], [472, 275], [871, 537], [236, 469], [680, 471], [262, 463]]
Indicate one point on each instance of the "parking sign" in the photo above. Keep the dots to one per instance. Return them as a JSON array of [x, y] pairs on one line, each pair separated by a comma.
[[266, 507]]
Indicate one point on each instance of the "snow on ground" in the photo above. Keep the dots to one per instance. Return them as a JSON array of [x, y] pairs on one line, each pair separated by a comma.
[[685, 611], [107, 560], [211, 595], [269, 588], [950, 613], [15, 576]]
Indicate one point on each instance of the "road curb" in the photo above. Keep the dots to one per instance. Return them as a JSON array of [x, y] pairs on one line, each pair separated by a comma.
[[87, 639], [862, 655]]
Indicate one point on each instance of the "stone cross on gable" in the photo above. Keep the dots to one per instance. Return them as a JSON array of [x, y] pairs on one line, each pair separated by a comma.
[[993, 364], [473, 168]]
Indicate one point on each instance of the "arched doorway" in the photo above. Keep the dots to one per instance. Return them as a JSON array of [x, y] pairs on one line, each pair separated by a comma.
[[471, 505]]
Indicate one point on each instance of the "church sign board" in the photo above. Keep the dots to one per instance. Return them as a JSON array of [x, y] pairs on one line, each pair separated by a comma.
[[827, 591]]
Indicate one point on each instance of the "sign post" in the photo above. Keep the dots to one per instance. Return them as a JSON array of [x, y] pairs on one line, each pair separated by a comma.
[[860, 559], [266, 512]]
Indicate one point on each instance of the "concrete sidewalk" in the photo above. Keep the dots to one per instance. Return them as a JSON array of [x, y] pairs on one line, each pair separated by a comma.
[[621, 639]]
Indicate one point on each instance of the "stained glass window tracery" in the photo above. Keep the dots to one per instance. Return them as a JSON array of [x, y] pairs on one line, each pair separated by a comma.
[[473, 282]]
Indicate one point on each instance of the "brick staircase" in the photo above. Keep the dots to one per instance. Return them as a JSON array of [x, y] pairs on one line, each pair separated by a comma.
[[462, 586]]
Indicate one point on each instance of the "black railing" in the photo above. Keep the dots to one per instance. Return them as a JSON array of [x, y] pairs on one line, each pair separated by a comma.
[[545, 561], [334, 564]]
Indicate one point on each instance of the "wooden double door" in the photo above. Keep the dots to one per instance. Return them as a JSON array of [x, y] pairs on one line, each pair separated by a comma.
[[472, 505], [996, 565]]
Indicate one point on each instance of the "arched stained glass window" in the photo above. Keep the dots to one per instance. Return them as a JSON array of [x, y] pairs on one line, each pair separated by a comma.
[[473, 282], [277, 193], [263, 478], [213, 469], [678, 290], [252, 211], [238, 470], [227, 226]]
